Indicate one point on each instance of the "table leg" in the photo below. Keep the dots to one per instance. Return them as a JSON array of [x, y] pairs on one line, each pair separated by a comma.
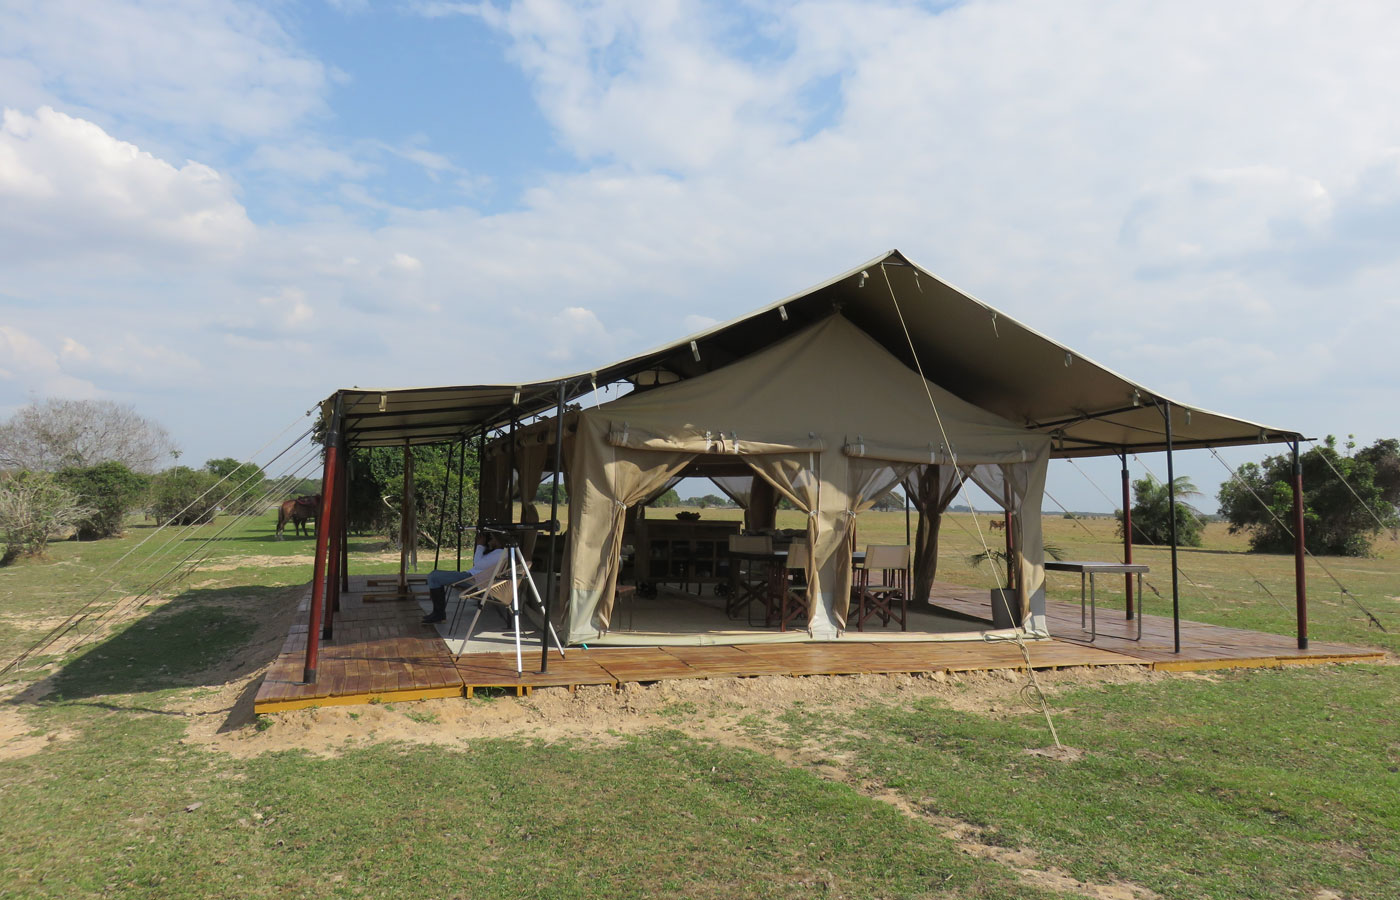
[[1140, 601], [1093, 611]]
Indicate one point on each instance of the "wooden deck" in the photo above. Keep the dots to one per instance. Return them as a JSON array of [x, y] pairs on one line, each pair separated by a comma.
[[381, 653], [1202, 646]]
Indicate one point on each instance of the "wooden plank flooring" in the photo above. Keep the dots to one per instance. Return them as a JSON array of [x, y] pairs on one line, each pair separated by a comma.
[[381, 652]]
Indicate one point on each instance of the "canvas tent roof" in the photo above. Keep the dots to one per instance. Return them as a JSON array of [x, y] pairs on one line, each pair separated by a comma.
[[963, 345]]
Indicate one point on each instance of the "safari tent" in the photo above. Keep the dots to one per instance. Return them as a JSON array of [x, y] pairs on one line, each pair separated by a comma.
[[830, 419], [881, 376]]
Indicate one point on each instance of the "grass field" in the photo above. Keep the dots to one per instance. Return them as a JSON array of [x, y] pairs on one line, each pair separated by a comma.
[[132, 769]]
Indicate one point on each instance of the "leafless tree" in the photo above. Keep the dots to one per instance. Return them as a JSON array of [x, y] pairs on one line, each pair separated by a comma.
[[34, 508], [50, 434]]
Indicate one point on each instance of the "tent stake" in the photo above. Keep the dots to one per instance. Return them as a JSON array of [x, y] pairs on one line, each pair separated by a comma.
[[1300, 577]]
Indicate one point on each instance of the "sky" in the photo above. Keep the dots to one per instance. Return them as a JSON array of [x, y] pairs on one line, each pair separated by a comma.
[[220, 212]]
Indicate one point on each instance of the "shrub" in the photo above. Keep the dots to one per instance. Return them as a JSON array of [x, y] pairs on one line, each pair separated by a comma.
[[34, 508], [110, 490], [1152, 518], [1334, 520], [181, 496]]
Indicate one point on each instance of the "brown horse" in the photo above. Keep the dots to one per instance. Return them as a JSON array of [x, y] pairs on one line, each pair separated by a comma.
[[298, 510]]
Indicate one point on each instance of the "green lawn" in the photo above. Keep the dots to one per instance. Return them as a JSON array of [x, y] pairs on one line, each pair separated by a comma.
[[1271, 783]]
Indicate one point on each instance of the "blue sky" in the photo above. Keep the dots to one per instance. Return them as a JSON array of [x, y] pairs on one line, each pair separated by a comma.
[[221, 211]]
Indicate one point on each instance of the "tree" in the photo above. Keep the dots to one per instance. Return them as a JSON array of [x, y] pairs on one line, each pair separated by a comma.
[[1334, 522], [243, 482], [546, 492], [52, 434], [1152, 516], [182, 496], [109, 490], [376, 474], [668, 499], [33, 508]]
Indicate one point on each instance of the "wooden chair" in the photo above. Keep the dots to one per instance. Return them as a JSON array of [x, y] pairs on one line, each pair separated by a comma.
[[882, 587], [750, 579], [787, 601]]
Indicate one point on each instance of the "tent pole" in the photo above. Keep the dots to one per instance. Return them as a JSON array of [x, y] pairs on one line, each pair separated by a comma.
[[551, 575], [332, 583], [480, 461], [1300, 576], [343, 500], [318, 576], [1171, 519], [408, 532], [331, 526], [442, 506], [514, 488], [908, 530], [1008, 523], [461, 468], [1127, 533]]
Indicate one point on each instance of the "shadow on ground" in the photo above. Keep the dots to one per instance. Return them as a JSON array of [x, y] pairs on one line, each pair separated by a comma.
[[202, 638]]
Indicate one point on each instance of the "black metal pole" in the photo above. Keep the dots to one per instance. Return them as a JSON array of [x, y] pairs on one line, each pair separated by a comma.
[[1127, 534], [461, 478], [1300, 575], [908, 533], [512, 477], [552, 575], [1171, 512], [480, 495], [442, 506]]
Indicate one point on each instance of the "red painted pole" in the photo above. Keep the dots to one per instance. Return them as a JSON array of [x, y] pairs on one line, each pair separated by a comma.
[[1300, 576], [332, 528], [1127, 535], [343, 503], [318, 573]]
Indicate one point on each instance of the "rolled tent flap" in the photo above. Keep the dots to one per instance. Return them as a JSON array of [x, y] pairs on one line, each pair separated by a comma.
[[867, 481], [932, 490], [797, 476], [609, 479]]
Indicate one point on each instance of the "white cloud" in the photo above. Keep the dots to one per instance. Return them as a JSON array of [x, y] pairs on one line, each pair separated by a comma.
[[1164, 186], [572, 329], [32, 368], [405, 263], [308, 159], [68, 187], [216, 65], [693, 323]]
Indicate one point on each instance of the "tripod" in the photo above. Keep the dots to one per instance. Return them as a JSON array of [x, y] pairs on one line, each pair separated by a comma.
[[494, 592]]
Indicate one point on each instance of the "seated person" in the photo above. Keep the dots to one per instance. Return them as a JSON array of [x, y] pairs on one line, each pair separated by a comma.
[[489, 550]]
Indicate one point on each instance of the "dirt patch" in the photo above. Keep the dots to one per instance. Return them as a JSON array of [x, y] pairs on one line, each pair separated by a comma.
[[36, 624], [17, 737], [229, 563], [718, 710]]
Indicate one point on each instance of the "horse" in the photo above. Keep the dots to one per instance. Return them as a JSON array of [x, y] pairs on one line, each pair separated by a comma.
[[298, 510]]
